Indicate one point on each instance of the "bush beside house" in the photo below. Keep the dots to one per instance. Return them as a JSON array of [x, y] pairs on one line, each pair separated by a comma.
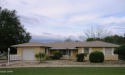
[[80, 57], [96, 57], [56, 55], [40, 56], [121, 52]]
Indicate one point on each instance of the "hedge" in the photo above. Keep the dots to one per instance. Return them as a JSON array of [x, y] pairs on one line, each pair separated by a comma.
[[96, 57]]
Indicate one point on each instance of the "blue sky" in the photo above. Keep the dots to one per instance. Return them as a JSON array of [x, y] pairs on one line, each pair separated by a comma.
[[55, 20]]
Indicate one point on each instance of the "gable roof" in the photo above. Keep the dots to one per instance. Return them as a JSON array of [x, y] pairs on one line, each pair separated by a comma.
[[31, 44], [74, 45]]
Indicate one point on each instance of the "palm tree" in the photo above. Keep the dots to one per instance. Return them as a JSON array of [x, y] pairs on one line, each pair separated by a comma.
[[40, 56]]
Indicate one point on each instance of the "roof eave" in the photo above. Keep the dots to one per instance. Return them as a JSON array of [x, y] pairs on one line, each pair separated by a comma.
[[29, 46]]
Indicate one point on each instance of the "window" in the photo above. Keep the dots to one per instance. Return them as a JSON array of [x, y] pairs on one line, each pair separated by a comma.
[[108, 51], [86, 50], [65, 52]]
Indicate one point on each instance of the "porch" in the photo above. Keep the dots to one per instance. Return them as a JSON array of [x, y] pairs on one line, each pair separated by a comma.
[[67, 53]]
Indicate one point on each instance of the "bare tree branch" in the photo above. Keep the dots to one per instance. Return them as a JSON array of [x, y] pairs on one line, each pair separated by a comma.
[[95, 32], [69, 39]]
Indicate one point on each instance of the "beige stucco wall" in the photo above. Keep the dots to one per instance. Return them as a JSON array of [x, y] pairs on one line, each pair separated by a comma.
[[39, 49], [51, 52], [73, 54], [80, 50], [96, 49], [19, 51], [106, 57], [36, 50], [109, 57]]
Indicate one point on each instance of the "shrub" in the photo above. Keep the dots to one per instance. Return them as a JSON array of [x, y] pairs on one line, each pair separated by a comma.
[[48, 57], [121, 52], [57, 55], [96, 57], [80, 57], [40, 56], [121, 57]]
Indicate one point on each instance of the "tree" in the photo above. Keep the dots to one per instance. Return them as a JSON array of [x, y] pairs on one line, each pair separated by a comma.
[[93, 39], [121, 52], [11, 30], [90, 39], [116, 39], [68, 39], [96, 33]]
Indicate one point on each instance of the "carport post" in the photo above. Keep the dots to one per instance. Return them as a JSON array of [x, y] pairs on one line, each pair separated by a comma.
[[67, 53], [8, 55]]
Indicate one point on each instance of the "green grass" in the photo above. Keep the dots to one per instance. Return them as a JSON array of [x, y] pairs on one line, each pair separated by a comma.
[[64, 71]]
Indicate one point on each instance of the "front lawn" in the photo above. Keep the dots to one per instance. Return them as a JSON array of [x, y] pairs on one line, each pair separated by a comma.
[[64, 71]]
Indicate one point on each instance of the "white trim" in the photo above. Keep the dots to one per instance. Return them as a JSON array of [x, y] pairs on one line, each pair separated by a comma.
[[87, 50], [79, 50], [90, 50], [82, 50], [112, 51], [71, 52], [47, 51], [67, 54], [104, 51], [15, 57]]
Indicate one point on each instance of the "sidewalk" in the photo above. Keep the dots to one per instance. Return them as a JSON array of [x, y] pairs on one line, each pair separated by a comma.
[[62, 63], [65, 66]]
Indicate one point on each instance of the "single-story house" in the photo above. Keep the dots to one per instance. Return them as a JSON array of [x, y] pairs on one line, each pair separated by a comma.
[[27, 51], [68, 49]]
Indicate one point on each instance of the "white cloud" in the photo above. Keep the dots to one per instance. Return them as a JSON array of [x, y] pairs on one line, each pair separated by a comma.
[[83, 18], [68, 17]]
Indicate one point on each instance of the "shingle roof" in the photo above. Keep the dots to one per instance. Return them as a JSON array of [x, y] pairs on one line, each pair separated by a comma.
[[97, 44], [62, 45], [69, 45], [31, 44], [73, 45]]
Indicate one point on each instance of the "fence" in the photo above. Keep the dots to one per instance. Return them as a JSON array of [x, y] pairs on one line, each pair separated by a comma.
[[15, 57]]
